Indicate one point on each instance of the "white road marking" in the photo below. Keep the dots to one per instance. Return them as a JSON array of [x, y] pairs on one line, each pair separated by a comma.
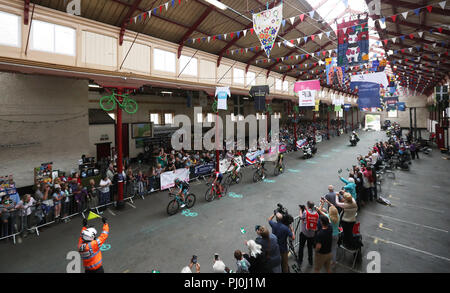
[[409, 247], [131, 205], [408, 222], [111, 212]]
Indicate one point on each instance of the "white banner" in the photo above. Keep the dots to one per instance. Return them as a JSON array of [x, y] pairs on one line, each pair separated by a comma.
[[266, 24], [378, 77], [167, 178], [307, 98], [225, 164], [222, 94]]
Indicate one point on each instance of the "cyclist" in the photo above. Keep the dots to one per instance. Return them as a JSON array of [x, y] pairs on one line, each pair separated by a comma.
[[184, 190], [280, 161], [260, 165], [218, 176], [236, 168]]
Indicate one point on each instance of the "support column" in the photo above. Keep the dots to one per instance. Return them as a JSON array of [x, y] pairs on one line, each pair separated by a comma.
[[120, 203]]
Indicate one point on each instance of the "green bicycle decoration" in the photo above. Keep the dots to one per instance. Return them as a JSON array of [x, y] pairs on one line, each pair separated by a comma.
[[108, 103], [214, 106], [296, 109], [269, 109]]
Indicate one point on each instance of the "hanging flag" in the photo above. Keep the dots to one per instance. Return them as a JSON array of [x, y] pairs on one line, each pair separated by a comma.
[[92, 216], [267, 25], [442, 4], [307, 92], [353, 44], [368, 94], [222, 94], [405, 14]]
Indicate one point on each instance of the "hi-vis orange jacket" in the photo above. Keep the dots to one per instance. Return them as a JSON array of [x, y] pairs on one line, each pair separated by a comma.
[[90, 251]]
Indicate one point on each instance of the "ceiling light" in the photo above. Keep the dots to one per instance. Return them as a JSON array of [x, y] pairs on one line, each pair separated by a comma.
[[94, 86], [218, 4], [163, 92]]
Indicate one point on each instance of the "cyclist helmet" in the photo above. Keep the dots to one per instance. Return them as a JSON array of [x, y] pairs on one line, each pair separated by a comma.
[[177, 181], [89, 234]]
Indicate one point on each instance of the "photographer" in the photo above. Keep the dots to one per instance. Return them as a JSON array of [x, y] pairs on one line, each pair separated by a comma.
[[309, 218], [282, 229], [188, 269]]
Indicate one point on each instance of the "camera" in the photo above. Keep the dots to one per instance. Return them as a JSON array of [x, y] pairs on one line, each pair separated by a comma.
[[194, 259], [287, 218]]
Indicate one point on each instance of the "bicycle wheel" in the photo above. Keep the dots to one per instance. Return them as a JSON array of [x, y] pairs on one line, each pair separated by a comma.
[[277, 170], [256, 176], [238, 178], [108, 103], [225, 190], [190, 200], [228, 180], [130, 106], [210, 194], [173, 207]]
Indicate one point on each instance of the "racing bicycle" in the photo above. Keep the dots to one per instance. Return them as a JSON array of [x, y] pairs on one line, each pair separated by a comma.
[[213, 191], [258, 175], [279, 169], [232, 178], [174, 204]]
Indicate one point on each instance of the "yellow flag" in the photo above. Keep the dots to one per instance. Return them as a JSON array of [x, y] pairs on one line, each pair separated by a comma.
[[92, 216]]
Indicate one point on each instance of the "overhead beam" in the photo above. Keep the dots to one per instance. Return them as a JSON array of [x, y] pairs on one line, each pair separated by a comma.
[[411, 6], [26, 11], [127, 18], [193, 28]]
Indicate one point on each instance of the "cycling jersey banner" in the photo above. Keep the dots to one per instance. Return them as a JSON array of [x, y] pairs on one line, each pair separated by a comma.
[[167, 178], [203, 169], [282, 148], [225, 164], [250, 158], [301, 143]]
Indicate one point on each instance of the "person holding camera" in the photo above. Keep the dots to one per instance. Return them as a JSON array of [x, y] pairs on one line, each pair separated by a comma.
[[270, 249], [188, 269], [323, 255], [309, 218], [282, 229], [218, 265], [348, 218], [89, 247]]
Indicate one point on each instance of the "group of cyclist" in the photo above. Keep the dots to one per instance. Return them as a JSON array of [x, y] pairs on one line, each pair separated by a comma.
[[217, 177]]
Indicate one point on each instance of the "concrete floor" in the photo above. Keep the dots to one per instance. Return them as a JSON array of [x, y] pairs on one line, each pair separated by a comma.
[[413, 238]]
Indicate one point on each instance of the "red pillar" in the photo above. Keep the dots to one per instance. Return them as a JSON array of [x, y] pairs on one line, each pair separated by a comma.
[[119, 151], [328, 123], [352, 119], [217, 143]]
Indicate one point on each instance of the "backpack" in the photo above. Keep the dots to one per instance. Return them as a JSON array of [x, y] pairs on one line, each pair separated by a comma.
[[311, 221]]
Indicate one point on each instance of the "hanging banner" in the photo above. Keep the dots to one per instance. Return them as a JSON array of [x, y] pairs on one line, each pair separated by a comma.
[[347, 107], [378, 77], [317, 106], [222, 94], [266, 25], [250, 157], [353, 42], [390, 102], [335, 74], [368, 95], [300, 143], [337, 108], [307, 92], [401, 106], [259, 94]]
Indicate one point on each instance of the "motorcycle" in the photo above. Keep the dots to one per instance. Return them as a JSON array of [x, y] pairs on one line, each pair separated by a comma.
[[307, 152], [353, 140]]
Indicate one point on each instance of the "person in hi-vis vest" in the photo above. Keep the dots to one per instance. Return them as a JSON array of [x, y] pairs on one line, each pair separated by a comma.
[[89, 247]]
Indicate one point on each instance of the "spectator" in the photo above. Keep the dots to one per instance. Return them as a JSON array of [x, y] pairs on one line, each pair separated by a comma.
[[242, 264], [309, 218], [65, 204], [7, 210], [218, 265], [368, 182], [92, 194], [162, 158], [271, 251], [282, 232], [25, 207], [79, 197], [323, 254], [348, 218], [105, 183], [333, 216], [255, 258], [110, 172], [331, 196], [58, 197], [350, 186]]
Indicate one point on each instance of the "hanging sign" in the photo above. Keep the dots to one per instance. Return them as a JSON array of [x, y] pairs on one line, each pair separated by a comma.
[[266, 25], [307, 92], [222, 94], [353, 43]]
